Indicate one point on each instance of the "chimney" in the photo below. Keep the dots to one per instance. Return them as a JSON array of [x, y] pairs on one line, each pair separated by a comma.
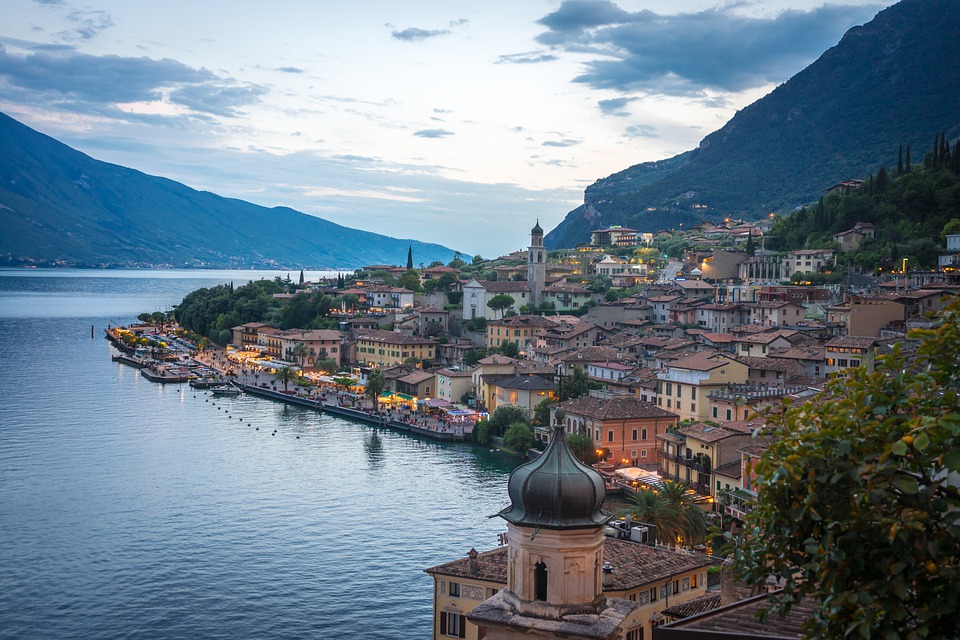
[[607, 575], [474, 566]]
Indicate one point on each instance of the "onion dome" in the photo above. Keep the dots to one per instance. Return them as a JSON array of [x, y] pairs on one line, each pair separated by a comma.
[[536, 229], [556, 491]]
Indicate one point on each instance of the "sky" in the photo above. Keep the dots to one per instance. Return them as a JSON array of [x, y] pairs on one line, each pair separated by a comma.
[[455, 122]]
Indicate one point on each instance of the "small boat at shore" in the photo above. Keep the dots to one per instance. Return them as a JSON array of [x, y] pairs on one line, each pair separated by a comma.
[[225, 390]]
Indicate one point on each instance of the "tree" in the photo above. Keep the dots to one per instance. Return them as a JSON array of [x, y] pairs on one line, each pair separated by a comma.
[[581, 444], [327, 365], [519, 437], [577, 384], [859, 499], [505, 415], [541, 413], [286, 375], [376, 382], [501, 302], [509, 348], [409, 257], [672, 511], [301, 350], [751, 249]]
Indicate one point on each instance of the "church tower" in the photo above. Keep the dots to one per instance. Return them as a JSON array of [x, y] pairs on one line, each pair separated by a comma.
[[555, 554], [536, 265]]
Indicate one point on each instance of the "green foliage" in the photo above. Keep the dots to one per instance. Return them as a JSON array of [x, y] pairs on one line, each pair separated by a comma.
[[477, 325], [481, 432], [329, 365], [671, 509], [210, 311], [501, 302], [519, 437], [509, 348], [410, 279], [472, 356], [286, 375], [541, 413], [376, 383], [505, 415], [581, 445], [859, 501], [577, 384]]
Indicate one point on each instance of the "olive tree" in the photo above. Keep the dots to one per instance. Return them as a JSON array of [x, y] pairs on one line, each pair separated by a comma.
[[859, 498]]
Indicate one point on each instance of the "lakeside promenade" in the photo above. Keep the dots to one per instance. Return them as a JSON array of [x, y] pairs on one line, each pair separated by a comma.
[[328, 399]]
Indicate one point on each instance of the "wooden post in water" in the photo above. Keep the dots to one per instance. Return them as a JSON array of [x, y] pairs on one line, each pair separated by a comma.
[[91, 332]]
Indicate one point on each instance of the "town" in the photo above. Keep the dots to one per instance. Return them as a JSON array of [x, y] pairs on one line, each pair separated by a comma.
[[665, 387]]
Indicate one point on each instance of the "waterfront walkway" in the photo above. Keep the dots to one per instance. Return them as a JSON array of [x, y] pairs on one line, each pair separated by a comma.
[[329, 399]]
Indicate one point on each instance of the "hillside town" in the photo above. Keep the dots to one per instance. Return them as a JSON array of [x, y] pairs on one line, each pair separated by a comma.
[[679, 374]]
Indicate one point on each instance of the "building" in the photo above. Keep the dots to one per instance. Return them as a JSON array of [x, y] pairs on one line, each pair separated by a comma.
[[452, 384], [852, 239], [622, 425], [524, 391], [247, 335], [536, 265], [477, 293], [387, 348], [848, 351], [615, 236], [318, 344], [517, 329], [691, 453], [684, 384], [382, 297], [807, 261], [489, 370]]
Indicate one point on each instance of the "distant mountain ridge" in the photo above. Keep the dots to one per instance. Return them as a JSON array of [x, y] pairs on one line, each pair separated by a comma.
[[893, 80], [59, 206]]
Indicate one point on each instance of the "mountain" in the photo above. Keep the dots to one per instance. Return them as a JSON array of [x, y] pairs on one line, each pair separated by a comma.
[[893, 80], [60, 206]]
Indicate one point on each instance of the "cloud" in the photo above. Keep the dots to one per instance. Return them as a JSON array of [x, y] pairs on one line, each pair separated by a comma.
[[562, 143], [413, 34], [433, 133], [96, 84], [290, 69], [50, 3], [529, 57], [689, 53], [640, 131], [88, 25], [216, 98], [615, 106]]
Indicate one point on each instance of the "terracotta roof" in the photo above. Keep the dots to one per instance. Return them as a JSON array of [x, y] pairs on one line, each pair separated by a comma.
[[615, 408], [741, 620], [496, 359], [701, 362], [707, 432], [416, 377], [855, 342], [526, 383], [730, 470], [491, 566], [504, 286], [693, 607], [765, 364], [390, 337]]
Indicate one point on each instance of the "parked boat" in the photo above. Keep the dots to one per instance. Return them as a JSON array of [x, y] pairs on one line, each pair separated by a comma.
[[225, 390]]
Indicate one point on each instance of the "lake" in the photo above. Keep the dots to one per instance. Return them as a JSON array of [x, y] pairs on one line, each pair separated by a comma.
[[135, 510]]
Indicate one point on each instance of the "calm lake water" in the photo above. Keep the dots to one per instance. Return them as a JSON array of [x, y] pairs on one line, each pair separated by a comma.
[[135, 510]]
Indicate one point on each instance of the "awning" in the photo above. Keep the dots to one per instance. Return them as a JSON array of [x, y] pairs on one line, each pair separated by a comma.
[[386, 394], [436, 402], [404, 396]]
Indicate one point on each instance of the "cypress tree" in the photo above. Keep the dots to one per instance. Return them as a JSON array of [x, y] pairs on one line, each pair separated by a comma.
[[410, 257], [301, 276], [750, 248], [936, 150], [882, 179], [820, 215], [907, 166], [899, 164], [944, 150]]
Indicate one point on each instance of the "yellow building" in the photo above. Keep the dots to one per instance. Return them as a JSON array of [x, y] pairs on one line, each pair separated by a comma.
[[517, 329], [386, 348], [684, 384]]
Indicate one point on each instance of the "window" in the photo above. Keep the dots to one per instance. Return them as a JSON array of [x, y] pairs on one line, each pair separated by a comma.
[[453, 625], [693, 393], [714, 412], [540, 581], [643, 434], [654, 594], [643, 453], [609, 436], [635, 436], [728, 414], [693, 581], [454, 589]]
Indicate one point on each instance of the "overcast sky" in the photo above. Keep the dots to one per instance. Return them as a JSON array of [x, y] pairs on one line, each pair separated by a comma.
[[454, 122]]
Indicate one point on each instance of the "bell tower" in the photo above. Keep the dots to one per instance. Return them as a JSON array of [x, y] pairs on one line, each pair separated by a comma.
[[555, 553], [536, 265]]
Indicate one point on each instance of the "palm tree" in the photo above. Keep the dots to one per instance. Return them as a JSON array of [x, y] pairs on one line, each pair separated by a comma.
[[285, 375], [376, 381], [301, 350], [672, 511]]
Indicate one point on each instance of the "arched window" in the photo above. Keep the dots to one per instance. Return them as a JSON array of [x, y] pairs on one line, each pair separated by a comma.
[[539, 256], [540, 581]]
